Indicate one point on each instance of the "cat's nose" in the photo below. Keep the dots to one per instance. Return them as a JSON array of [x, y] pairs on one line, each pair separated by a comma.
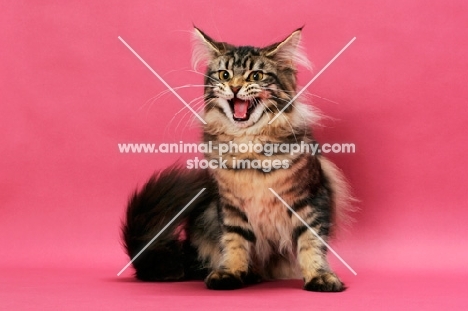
[[235, 89]]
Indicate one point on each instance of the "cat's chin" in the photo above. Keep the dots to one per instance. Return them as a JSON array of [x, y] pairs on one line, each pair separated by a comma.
[[252, 121], [243, 124]]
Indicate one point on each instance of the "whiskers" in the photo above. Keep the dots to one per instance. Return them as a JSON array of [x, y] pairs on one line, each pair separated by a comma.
[[196, 104], [326, 99], [306, 94], [257, 102], [200, 73], [308, 113], [293, 132], [153, 99], [201, 105]]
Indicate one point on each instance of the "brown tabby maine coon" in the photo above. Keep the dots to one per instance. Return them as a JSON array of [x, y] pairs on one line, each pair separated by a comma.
[[237, 232]]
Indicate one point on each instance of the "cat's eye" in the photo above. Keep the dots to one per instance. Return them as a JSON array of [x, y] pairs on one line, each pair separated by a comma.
[[224, 75], [255, 76]]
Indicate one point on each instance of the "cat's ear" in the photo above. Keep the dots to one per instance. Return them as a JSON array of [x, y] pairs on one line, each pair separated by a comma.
[[289, 52], [205, 48]]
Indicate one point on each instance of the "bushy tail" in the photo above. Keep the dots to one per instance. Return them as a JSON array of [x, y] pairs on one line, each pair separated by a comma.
[[344, 202], [151, 209]]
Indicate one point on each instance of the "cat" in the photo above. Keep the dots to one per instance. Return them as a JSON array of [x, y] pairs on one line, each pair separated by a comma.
[[238, 232]]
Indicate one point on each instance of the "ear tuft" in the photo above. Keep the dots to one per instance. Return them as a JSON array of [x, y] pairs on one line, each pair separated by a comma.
[[289, 50], [204, 48]]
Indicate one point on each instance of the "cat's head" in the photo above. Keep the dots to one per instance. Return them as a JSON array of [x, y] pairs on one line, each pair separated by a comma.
[[246, 86]]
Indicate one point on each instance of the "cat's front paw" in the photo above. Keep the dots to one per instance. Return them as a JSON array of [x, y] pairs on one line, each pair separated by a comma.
[[325, 282], [222, 280]]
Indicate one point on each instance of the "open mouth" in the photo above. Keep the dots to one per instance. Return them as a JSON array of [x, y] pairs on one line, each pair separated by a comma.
[[241, 109]]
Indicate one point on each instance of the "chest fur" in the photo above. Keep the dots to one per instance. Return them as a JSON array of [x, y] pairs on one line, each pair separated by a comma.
[[267, 216]]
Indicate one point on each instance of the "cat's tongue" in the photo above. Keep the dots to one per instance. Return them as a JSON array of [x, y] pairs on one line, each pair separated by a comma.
[[240, 108]]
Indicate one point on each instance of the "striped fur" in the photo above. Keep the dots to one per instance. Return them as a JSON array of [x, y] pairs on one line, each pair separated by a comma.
[[239, 232]]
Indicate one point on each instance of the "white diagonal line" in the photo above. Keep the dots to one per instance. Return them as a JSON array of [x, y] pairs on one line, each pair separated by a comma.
[[313, 79], [159, 233], [313, 231], [162, 80]]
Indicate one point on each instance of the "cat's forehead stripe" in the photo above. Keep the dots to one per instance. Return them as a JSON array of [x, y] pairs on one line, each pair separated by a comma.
[[259, 65], [248, 64], [221, 63], [242, 58], [229, 63]]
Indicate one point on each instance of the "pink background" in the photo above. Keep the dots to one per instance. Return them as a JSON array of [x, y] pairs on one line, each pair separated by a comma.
[[70, 91]]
